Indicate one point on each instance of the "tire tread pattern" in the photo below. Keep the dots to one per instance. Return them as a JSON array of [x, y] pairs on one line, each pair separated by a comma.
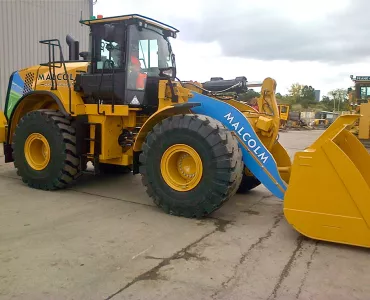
[[226, 157], [62, 126]]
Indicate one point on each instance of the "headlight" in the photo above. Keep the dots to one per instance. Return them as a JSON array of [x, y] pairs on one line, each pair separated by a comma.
[[168, 72]]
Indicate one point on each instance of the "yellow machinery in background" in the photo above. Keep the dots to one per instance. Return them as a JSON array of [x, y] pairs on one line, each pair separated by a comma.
[[290, 119], [359, 99], [284, 115], [323, 119], [123, 108], [364, 122]]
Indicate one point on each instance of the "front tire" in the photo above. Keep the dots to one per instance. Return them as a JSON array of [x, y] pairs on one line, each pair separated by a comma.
[[190, 165], [44, 150]]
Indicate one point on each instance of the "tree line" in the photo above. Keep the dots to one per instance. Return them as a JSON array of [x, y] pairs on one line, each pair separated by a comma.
[[301, 96]]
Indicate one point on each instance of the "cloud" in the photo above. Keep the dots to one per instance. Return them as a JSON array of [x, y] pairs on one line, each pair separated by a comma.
[[285, 32], [315, 42], [328, 31]]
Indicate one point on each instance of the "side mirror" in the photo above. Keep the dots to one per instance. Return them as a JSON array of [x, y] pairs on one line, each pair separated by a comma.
[[85, 55], [109, 32]]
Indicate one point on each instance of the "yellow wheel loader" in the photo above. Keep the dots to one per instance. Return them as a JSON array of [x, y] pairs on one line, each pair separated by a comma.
[[122, 106], [284, 115], [359, 99]]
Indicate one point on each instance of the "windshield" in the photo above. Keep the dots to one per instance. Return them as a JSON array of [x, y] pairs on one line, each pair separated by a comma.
[[365, 92], [284, 109], [151, 48]]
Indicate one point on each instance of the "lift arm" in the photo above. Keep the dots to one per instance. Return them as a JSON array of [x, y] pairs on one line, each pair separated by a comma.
[[256, 156]]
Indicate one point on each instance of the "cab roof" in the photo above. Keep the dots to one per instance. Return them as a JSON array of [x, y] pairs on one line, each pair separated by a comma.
[[127, 17]]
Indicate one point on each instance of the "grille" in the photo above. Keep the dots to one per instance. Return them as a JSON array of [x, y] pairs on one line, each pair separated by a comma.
[[28, 83]]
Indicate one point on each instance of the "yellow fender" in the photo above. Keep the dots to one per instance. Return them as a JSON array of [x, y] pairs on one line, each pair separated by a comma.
[[328, 197], [159, 116]]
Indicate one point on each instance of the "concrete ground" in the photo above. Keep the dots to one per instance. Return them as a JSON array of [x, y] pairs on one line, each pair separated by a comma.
[[104, 239]]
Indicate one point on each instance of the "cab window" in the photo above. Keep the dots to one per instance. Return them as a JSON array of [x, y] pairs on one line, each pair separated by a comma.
[[148, 53], [365, 92], [110, 55], [151, 48]]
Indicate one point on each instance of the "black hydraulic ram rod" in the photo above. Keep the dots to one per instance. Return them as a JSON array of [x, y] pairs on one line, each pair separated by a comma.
[[218, 84]]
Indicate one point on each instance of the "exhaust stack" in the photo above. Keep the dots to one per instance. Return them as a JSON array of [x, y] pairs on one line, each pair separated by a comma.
[[73, 46]]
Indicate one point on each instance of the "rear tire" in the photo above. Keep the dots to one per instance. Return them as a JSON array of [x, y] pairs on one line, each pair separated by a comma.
[[217, 157], [59, 144], [248, 183]]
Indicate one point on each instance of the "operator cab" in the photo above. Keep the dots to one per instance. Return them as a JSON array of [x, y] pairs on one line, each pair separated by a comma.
[[128, 56], [363, 92], [362, 89]]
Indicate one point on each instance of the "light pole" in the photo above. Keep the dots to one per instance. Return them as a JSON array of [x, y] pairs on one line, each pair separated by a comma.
[[339, 101], [334, 95]]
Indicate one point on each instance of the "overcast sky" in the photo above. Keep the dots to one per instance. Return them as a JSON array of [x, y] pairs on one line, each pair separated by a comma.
[[314, 42]]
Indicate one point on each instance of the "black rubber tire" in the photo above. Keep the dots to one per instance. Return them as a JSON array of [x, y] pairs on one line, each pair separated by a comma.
[[114, 169], [64, 166], [248, 183], [221, 158]]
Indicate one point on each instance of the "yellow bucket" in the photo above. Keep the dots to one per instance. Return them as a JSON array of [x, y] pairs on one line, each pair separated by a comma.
[[328, 197]]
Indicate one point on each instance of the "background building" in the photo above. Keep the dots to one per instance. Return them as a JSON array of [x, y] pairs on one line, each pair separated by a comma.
[[317, 95], [23, 23]]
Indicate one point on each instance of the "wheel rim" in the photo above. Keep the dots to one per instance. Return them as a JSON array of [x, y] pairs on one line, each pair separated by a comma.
[[37, 151], [181, 167], [247, 172]]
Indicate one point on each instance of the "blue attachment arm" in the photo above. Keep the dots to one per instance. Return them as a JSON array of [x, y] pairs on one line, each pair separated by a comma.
[[255, 155]]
